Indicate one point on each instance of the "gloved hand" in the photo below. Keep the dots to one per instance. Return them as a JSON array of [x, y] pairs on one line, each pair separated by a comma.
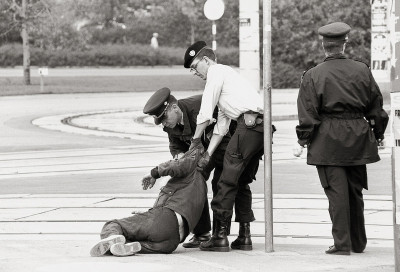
[[297, 150], [195, 143], [381, 143], [203, 161], [148, 182]]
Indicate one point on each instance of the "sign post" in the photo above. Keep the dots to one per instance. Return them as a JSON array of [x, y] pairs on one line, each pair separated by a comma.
[[395, 122], [213, 10], [43, 71], [267, 86]]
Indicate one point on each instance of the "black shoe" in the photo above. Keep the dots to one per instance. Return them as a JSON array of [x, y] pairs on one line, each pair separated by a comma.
[[243, 242], [334, 251], [195, 241], [219, 241]]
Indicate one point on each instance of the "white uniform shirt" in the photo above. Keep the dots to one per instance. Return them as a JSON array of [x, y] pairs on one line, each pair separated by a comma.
[[233, 95]]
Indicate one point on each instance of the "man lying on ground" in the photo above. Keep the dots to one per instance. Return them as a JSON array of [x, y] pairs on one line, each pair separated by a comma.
[[175, 213]]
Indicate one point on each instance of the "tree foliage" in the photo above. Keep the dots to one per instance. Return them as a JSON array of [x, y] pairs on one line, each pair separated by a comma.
[[86, 24]]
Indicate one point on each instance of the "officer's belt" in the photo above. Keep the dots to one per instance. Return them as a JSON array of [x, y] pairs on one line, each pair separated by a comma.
[[259, 118], [343, 115]]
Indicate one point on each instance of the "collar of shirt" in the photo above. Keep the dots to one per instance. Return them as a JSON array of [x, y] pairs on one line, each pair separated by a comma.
[[335, 56]]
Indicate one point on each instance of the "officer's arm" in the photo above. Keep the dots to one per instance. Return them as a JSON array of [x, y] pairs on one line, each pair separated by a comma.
[[307, 107], [176, 146], [200, 129], [214, 142], [376, 115]]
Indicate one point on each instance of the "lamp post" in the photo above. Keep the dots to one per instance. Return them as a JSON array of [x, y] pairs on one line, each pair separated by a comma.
[[213, 10]]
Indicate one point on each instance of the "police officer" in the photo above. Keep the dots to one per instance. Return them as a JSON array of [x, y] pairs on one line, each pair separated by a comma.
[[236, 100], [178, 118], [341, 121]]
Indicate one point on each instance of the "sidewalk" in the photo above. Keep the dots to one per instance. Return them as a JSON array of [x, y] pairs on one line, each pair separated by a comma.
[[56, 232]]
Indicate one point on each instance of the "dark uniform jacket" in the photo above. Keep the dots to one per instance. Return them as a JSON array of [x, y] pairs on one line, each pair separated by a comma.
[[179, 137], [340, 113], [186, 191]]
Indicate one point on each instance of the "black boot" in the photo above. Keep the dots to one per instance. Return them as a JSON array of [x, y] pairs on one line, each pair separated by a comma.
[[219, 240], [243, 241]]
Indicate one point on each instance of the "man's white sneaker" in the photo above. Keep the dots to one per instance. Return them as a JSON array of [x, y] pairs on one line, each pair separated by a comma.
[[105, 244], [125, 249]]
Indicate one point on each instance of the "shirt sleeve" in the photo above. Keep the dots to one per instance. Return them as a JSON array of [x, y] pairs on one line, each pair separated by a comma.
[[212, 91], [222, 125], [308, 108]]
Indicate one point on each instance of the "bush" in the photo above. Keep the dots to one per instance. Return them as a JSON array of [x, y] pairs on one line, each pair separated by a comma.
[[107, 55]]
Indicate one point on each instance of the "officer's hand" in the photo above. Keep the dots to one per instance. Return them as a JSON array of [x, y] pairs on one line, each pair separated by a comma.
[[203, 161], [148, 182], [381, 143], [195, 143], [297, 150]]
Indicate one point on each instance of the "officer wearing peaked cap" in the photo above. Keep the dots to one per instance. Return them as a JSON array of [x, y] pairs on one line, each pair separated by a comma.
[[158, 103], [178, 118], [237, 100], [341, 121]]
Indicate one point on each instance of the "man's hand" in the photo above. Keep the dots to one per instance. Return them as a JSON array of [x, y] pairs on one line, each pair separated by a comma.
[[381, 143], [195, 142], [148, 182], [203, 161], [297, 150]]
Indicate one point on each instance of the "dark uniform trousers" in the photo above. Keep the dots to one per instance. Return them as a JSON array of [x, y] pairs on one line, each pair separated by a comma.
[[156, 230], [243, 197], [343, 186], [240, 165]]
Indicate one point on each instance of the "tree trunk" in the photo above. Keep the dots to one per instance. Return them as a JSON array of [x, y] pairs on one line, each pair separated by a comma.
[[25, 46]]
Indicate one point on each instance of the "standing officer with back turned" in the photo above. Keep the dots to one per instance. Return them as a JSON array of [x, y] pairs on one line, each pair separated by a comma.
[[342, 122]]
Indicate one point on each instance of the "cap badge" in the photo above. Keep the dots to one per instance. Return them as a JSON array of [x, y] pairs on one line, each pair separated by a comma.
[[192, 53]]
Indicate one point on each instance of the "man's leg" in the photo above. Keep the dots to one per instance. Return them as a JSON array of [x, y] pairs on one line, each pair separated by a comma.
[[163, 234], [243, 146], [339, 210], [243, 202], [157, 230], [357, 175]]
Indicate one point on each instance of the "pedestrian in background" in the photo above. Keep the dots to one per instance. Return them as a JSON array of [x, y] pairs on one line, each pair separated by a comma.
[[154, 41], [341, 122]]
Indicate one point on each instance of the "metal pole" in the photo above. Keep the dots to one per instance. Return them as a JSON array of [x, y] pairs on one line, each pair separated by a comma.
[[41, 83], [394, 13], [214, 33], [269, 246]]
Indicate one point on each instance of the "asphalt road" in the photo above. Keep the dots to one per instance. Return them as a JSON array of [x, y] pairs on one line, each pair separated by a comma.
[[24, 145]]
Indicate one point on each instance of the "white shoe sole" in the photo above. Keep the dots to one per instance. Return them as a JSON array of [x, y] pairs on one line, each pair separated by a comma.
[[125, 249], [105, 244]]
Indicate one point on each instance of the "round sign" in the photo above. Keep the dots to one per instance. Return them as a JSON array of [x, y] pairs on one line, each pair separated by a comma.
[[214, 9]]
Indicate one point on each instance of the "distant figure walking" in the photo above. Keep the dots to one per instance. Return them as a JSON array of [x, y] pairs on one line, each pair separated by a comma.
[[154, 41]]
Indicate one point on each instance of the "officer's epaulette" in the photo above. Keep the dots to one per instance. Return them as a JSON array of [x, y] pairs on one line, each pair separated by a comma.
[[305, 71], [361, 60]]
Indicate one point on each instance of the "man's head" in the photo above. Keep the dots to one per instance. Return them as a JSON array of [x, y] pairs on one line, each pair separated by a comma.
[[334, 37], [199, 57], [164, 108]]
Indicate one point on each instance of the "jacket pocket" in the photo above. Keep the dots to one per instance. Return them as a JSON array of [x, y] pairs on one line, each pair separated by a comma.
[[165, 194]]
